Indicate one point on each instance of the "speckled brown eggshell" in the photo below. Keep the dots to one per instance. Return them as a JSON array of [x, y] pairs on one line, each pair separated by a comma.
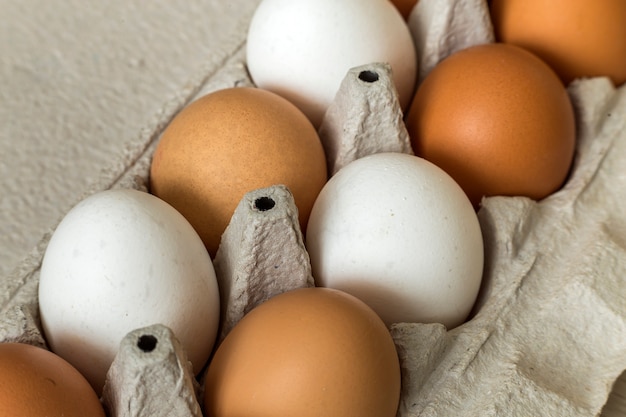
[[230, 142], [578, 38], [498, 120], [308, 352], [35, 382]]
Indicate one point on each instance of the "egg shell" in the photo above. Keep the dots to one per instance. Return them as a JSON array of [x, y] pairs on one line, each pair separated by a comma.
[[404, 7], [577, 38], [399, 233], [35, 382], [307, 352], [498, 120], [228, 143], [302, 49], [119, 260]]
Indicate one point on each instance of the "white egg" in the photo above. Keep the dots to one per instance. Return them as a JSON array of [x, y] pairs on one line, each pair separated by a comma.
[[120, 260], [302, 49], [399, 233]]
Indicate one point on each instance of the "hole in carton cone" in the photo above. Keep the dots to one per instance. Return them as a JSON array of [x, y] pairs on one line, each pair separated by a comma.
[[368, 76], [264, 203], [147, 343]]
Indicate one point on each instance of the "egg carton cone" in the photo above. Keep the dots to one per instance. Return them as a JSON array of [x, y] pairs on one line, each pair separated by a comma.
[[151, 376], [261, 254], [364, 118], [547, 335]]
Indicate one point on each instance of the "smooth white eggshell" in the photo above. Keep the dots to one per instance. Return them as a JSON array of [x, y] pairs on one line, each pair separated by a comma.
[[302, 49], [120, 260], [400, 234]]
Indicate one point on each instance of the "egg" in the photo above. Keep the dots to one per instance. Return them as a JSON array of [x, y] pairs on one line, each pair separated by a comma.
[[120, 260], [405, 7], [228, 143], [498, 120], [303, 49], [35, 382], [308, 352], [577, 38], [397, 232]]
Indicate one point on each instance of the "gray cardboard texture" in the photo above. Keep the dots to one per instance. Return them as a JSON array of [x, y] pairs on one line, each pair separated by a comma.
[[364, 118], [261, 254], [151, 377]]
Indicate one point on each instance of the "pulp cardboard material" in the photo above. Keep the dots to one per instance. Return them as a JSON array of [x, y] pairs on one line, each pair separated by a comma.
[[364, 118], [261, 254], [151, 377]]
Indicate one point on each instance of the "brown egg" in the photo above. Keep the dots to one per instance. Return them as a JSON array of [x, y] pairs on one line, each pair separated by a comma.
[[498, 120], [578, 38], [307, 352], [228, 143], [404, 7], [35, 382]]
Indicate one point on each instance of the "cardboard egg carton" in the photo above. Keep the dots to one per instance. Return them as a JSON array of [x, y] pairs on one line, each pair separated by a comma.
[[548, 332]]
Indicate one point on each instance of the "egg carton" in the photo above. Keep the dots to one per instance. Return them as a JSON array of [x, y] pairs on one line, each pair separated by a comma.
[[548, 333]]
